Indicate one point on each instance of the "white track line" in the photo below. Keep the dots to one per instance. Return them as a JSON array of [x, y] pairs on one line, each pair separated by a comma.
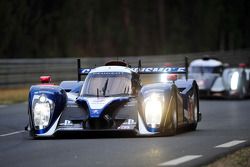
[[180, 160], [230, 144], [2, 106], [13, 133]]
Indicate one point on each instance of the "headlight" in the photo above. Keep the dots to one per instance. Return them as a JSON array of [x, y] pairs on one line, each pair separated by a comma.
[[42, 108], [200, 83], [164, 77], [154, 106], [234, 81]]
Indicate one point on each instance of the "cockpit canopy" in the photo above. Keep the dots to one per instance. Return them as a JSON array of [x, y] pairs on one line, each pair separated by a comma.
[[206, 69], [105, 84], [207, 65]]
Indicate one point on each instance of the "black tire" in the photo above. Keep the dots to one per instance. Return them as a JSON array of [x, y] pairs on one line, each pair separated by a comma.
[[193, 126], [242, 93], [173, 119], [243, 86], [32, 133], [30, 129]]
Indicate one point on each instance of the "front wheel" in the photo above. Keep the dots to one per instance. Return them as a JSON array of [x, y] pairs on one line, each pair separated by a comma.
[[242, 92], [173, 120]]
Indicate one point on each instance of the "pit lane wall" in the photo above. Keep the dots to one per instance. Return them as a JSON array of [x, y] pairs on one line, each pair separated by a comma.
[[25, 72]]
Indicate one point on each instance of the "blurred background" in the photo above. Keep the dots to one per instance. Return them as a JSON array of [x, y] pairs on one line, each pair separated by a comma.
[[78, 28], [44, 37]]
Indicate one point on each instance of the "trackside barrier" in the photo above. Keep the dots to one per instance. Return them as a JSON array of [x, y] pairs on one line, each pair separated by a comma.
[[25, 72]]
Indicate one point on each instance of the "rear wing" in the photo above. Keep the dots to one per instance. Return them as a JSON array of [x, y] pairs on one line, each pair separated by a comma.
[[160, 70], [140, 70]]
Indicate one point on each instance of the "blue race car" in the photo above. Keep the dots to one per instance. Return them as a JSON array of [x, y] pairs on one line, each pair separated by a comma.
[[112, 98]]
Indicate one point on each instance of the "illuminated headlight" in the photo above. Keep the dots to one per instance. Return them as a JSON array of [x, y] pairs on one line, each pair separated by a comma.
[[200, 82], [42, 99], [154, 106], [234, 81], [164, 77], [42, 108]]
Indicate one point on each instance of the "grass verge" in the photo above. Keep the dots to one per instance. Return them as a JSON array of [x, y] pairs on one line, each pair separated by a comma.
[[13, 95], [240, 158]]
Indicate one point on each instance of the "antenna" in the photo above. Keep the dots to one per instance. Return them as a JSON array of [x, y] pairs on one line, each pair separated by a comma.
[[78, 69], [139, 66], [186, 67]]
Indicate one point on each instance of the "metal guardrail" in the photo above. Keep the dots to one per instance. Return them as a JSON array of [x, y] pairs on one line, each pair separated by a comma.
[[25, 72]]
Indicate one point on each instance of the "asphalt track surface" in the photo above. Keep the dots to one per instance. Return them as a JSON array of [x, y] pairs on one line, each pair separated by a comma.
[[225, 128]]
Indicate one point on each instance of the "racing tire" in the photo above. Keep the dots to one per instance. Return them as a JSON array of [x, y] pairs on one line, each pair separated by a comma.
[[30, 128], [32, 133], [242, 92], [173, 119], [195, 104]]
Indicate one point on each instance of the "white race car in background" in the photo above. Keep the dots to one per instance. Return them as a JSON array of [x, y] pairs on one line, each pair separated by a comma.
[[214, 79]]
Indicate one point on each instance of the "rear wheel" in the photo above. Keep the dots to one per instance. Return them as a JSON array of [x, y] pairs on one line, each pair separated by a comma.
[[195, 104]]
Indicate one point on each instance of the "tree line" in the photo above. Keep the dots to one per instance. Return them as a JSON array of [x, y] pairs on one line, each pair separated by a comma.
[[77, 28]]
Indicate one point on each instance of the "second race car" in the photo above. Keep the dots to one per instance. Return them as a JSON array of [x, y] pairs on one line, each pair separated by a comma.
[[214, 79]]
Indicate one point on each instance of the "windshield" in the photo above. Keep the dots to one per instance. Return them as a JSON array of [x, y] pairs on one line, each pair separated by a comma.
[[200, 69], [105, 84]]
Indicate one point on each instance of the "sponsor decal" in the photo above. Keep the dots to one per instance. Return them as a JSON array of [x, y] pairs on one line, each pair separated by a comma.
[[146, 70], [129, 124], [124, 127], [99, 103], [85, 70], [43, 92], [161, 70], [66, 123], [109, 73], [96, 111]]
